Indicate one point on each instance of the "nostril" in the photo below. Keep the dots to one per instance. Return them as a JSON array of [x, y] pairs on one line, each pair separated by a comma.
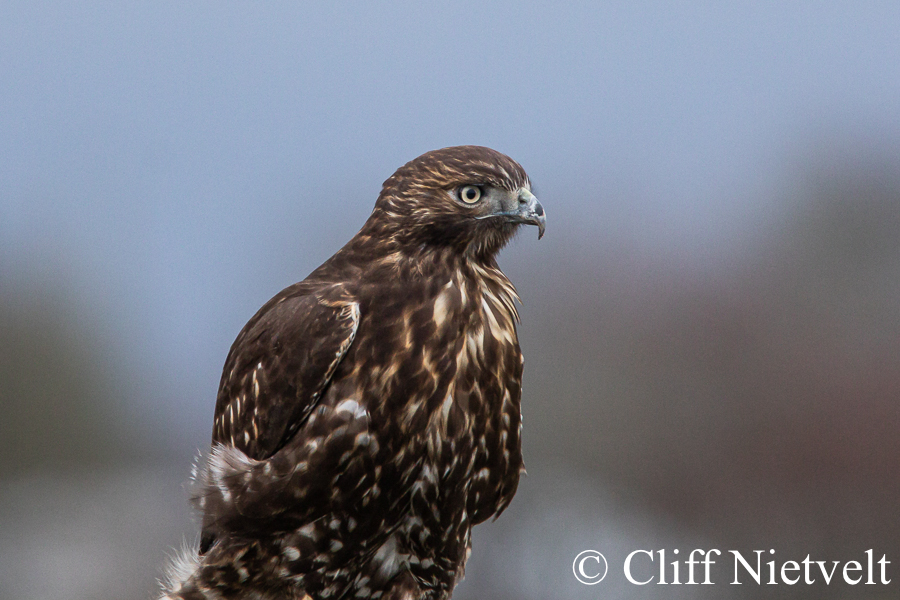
[[539, 210]]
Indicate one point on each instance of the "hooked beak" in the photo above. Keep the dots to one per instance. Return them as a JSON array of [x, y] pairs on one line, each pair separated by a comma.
[[526, 209], [531, 212]]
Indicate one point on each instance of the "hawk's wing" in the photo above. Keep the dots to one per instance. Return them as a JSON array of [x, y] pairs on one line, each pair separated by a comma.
[[279, 366]]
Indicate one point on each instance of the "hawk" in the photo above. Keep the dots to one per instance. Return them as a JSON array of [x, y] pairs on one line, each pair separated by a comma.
[[369, 416]]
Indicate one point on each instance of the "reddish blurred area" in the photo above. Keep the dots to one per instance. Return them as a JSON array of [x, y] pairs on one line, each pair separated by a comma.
[[757, 402]]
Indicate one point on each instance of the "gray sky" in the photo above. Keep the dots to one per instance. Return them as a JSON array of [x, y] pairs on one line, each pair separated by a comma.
[[171, 165]]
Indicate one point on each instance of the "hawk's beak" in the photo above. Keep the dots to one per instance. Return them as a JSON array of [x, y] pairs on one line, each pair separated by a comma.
[[531, 212]]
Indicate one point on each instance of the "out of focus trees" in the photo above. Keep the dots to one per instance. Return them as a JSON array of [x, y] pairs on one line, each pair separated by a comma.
[[759, 402], [61, 408]]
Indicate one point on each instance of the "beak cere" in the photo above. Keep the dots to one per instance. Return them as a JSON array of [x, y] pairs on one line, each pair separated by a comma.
[[531, 212]]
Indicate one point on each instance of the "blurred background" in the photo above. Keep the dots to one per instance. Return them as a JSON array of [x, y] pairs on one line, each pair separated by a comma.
[[711, 325]]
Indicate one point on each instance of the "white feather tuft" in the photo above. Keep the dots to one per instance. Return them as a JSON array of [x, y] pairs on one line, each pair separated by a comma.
[[182, 566]]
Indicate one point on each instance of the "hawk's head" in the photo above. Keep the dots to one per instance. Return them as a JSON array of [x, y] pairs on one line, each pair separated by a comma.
[[469, 199]]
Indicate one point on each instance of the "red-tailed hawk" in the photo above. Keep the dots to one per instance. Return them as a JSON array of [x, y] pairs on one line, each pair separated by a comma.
[[369, 415]]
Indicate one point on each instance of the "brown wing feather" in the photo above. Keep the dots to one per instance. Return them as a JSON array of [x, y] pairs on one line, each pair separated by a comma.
[[279, 366]]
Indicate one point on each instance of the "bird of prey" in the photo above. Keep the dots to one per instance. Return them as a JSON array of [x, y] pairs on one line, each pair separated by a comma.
[[369, 416]]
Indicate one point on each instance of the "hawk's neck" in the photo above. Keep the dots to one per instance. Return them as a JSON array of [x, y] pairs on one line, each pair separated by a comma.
[[374, 262]]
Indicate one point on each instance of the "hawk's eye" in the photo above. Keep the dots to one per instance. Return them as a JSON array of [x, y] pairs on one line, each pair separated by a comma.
[[470, 194]]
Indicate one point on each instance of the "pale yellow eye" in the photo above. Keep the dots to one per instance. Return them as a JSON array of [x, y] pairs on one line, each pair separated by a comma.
[[470, 194]]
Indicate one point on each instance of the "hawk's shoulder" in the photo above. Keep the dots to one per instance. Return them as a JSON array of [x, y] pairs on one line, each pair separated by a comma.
[[279, 365]]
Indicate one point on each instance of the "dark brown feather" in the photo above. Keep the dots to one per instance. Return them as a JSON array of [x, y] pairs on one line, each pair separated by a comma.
[[279, 365]]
